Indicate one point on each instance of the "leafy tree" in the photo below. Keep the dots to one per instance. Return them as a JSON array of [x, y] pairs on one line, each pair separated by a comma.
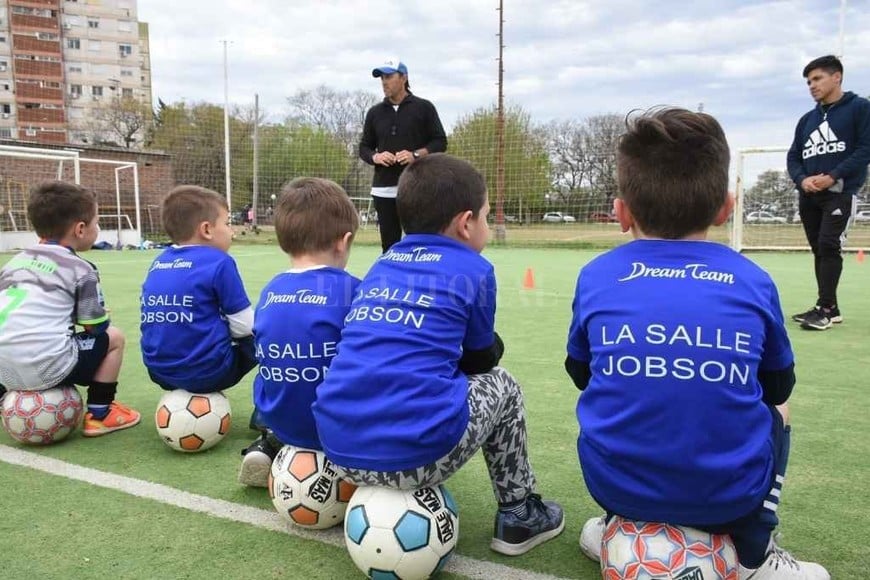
[[773, 191], [526, 164]]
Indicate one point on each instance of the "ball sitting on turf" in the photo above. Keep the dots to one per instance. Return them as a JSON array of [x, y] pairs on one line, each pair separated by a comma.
[[192, 422], [42, 417]]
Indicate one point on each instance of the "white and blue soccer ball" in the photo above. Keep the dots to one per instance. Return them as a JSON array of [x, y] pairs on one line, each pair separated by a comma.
[[633, 550], [401, 535], [192, 422]]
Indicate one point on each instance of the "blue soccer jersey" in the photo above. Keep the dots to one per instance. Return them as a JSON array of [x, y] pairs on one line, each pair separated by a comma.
[[185, 298], [395, 398], [672, 423], [297, 326]]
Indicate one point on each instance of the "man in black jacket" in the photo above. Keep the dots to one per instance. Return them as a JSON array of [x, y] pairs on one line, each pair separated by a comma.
[[397, 131]]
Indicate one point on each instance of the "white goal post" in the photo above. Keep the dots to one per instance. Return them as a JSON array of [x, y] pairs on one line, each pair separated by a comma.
[[116, 183], [766, 210]]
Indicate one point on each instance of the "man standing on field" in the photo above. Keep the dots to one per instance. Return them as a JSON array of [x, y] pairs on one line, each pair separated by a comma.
[[828, 163], [397, 132]]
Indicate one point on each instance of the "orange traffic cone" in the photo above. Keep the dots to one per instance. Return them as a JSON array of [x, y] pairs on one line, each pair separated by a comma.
[[529, 280], [860, 256]]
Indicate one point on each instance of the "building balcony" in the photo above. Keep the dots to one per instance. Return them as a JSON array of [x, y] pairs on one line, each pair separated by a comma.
[[35, 22], [40, 116], [30, 91], [38, 68], [22, 43]]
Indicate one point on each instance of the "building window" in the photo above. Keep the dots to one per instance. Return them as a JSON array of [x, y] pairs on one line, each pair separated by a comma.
[[97, 91], [95, 45], [2, 39], [126, 72], [73, 43], [125, 50], [74, 67], [75, 90], [4, 65], [46, 36], [6, 133], [7, 108], [93, 23], [127, 93]]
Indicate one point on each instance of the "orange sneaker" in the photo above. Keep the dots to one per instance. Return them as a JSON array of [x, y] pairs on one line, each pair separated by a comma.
[[120, 417]]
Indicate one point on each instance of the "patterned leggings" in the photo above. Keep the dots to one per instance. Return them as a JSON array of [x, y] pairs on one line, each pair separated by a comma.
[[496, 425]]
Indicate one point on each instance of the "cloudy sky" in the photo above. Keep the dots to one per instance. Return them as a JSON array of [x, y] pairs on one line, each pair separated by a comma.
[[563, 58]]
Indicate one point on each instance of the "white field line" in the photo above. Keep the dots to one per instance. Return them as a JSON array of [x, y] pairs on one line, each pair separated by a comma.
[[265, 519]]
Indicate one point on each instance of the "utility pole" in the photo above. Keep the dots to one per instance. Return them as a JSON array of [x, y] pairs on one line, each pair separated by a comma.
[[256, 158], [500, 233]]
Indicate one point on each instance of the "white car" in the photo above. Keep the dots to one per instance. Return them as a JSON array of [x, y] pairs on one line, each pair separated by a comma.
[[558, 217], [763, 217]]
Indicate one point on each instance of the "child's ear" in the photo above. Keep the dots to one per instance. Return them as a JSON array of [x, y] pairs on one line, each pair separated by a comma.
[[205, 230], [342, 244], [460, 225], [79, 229], [725, 210], [623, 214]]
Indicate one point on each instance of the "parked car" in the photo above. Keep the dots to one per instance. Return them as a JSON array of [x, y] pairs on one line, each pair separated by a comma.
[[557, 217], [863, 216], [602, 218], [763, 217]]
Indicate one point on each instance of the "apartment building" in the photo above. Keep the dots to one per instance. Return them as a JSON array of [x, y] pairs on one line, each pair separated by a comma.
[[65, 63]]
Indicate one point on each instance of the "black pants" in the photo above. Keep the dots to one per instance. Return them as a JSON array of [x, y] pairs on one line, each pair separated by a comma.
[[388, 221], [825, 217]]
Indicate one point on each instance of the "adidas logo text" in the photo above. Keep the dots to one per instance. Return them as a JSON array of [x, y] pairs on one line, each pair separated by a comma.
[[823, 141], [824, 148]]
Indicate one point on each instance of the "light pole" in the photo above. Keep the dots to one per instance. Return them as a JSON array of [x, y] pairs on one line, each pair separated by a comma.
[[227, 129]]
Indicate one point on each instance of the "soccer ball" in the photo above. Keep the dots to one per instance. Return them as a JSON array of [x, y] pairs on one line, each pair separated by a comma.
[[645, 550], [306, 489], [192, 422], [405, 535], [42, 417]]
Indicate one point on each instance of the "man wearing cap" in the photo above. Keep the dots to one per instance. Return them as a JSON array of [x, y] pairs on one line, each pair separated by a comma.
[[397, 131]]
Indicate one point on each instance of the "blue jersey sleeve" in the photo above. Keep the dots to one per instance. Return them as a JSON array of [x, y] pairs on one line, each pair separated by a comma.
[[229, 288], [777, 353]]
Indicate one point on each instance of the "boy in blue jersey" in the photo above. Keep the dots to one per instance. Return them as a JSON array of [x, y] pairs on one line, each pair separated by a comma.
[[680, 349], [196, 319], [414, 391], [828, 162], [48, 290], [298, 320]]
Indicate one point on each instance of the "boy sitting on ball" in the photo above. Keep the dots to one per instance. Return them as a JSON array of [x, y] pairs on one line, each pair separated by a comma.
[[48, 290], [414, 391], [680, 349]]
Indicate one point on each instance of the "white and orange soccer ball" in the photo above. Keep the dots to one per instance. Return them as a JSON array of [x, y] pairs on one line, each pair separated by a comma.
[[192, 422], [409, 535], [645, 550], [306, 489], [42, 417]]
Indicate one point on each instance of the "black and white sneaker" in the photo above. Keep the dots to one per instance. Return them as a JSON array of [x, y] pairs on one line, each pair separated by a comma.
[[257, 461], [833, 314], [818, 319]]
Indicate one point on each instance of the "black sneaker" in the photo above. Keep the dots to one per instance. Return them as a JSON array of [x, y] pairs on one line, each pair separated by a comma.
[[514, 536], [833, 314], [257, 461], [818, 319]]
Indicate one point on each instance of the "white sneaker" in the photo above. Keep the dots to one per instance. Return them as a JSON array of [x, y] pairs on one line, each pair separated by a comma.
[[780, 565], [591, 537]]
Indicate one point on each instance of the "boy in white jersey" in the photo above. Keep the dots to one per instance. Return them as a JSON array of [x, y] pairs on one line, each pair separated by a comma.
[[196, 319], [414, 390], [45, 292], [298, 320], [680, 349]]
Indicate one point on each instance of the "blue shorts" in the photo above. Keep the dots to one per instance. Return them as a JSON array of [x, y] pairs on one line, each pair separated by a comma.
[[92, 352], [244, 359]]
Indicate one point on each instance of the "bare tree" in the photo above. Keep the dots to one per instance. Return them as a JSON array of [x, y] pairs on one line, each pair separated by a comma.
[[120, 122], [566, 141], [601, 137]]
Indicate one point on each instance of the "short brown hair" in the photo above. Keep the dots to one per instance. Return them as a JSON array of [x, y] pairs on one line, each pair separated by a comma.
[[187, 206], [435, 188], [311, 214], [55, 206], [672, 171]]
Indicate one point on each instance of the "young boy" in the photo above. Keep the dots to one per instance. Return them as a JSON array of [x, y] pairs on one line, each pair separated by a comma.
[[196, 319], [680, 349], [45, 292], [298, 320], [414, 391]]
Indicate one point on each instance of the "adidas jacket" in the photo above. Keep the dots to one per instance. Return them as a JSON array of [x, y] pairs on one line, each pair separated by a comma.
[[836, 142]]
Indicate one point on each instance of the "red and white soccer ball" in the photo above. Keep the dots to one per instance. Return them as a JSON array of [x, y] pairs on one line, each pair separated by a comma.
[[408, 535], [644, 551], [306, 489], [192, 422], [42, 417]]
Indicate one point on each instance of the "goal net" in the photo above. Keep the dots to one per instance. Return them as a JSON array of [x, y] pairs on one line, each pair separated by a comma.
[[766, 213], [114, 182]]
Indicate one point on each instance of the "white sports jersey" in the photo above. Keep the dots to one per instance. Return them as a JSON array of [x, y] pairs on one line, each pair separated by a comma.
[[44, 292]]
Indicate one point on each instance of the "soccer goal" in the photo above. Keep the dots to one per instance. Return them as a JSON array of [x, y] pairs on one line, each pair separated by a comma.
[[766, 213], [115, 182]]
